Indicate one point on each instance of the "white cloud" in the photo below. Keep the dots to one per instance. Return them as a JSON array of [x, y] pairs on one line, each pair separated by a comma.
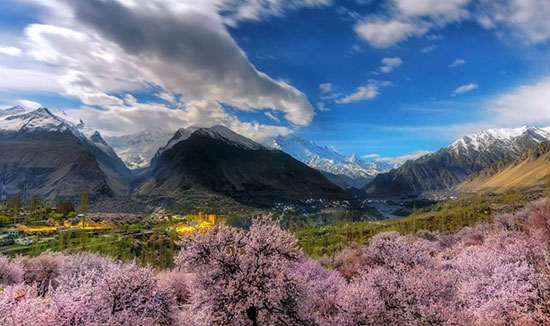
[[370, 156], [29, 104], [44, 79], [408, 18], [438, 10], [434, 37], [528, 104], [457, 62], [326, 88], [427, 49], [523, 105], [465, 88], [235, 11], [10, 50], [382, 32], [168, 97], [400, 160], [362, 93], [272, 117], [180, 50], [525, 20], [322, 107], [389, 64], [129, 117]]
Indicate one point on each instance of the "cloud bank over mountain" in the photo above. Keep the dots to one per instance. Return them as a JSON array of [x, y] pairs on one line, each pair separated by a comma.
[[180, 50]]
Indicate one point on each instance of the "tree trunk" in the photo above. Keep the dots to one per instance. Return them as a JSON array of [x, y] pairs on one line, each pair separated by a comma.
[[252, 314]]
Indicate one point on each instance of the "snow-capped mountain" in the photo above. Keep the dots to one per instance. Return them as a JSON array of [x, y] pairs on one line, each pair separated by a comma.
[[13, 110], [451, 165], [220, 160], [500, 139], [344, 170], [216, 132], [181, 134], [55, 157], [137, 150], [19, 119]]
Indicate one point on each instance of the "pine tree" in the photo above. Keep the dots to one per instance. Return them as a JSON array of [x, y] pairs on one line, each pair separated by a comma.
[[83, 207]]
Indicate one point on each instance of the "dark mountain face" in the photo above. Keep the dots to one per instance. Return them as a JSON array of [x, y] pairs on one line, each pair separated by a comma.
[[451, 165], [219, 160], [47, 157], [49, 165], [117, 174]]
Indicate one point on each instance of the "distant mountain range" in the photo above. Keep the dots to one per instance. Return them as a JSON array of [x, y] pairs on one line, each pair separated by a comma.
[[138, 150], [44, 154], [344, 170], [453, 164]]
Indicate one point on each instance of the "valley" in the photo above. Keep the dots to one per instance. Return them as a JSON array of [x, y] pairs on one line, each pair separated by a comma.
[[170, 179], [274, 163], [143, 201]]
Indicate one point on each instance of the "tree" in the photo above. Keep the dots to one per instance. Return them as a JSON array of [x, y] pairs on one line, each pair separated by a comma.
[[83, 206], [10, 273], [65, 207], [14, 204], [42, 271], [320, 290], [122, 294], [86, 290], [243, 277]]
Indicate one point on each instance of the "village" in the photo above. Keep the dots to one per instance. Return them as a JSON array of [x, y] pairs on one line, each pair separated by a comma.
[[38, 226]]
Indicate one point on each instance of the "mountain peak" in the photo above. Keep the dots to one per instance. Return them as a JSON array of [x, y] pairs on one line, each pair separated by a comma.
[[344, 170], [12, 110], [228, 135], [451, 165], [482, 140]]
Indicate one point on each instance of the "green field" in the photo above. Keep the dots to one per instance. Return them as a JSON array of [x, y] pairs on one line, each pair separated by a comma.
[[447, 216]]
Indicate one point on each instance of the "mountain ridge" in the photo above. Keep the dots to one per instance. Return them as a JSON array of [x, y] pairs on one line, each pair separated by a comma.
[[52, 157], [529, 171], [452, 164], [219, 160]]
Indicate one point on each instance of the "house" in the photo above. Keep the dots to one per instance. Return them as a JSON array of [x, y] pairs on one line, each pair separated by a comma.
[[5, 240], [14, 233], [24, 241]]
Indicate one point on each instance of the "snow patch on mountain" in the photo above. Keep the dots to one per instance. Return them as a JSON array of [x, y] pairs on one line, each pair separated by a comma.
[[397, 161], [505, 137], [12, 110], [226, 134], [19, 119], [137, 150]]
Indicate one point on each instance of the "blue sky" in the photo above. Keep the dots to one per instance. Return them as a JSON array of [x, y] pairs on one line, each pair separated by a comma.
[[386, 77]]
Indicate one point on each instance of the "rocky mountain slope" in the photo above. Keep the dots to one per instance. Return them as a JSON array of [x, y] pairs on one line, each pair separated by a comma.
[[50, 157], [451, 165], [529, 171], [219, 160]]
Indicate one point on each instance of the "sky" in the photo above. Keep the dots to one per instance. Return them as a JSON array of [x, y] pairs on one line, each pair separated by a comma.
[[388, 78]]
